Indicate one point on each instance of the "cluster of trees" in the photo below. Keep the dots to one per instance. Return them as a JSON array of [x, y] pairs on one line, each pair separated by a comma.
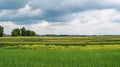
[[18, 32], [1, 31], [22, 32]]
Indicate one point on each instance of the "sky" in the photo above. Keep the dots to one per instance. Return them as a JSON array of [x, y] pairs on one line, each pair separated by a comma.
[[71, 17]]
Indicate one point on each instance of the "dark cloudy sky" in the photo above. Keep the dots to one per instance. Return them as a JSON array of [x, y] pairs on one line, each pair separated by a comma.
[[80, 17]]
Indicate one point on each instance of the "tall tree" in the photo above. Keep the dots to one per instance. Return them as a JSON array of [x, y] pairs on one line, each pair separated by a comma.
[[30, 33], [23, 31], [16, 32], [33, 33], [1, 31]]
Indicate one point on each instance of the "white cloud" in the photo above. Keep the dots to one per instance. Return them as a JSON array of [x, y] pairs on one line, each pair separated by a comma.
[[6, 13], [8, 26], [93, 22], [27, 11]]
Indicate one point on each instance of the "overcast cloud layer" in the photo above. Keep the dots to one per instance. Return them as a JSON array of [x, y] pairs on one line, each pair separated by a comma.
[[80, 17]]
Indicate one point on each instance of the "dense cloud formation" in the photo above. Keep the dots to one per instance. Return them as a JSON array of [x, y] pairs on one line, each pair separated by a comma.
[[12, 4], [62, 16]]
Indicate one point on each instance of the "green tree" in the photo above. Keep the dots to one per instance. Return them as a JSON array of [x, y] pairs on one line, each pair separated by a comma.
[[33, 33], [16, 32], [23, 31], [1, 31], [30, 33]]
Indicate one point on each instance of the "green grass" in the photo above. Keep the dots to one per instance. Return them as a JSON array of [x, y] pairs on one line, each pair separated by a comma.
[[56, 51], [59, 58], [57, 40]]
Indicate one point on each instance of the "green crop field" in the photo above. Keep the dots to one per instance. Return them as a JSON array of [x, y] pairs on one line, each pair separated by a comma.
[[58, 40], [59, 58], [58, 51]]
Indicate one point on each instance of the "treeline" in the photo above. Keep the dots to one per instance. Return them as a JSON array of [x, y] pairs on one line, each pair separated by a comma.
[[22, 32], [18, 32], [1, 31]]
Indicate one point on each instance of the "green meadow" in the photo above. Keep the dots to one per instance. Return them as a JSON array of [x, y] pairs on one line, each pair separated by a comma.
[[61, 40], [60, 51]]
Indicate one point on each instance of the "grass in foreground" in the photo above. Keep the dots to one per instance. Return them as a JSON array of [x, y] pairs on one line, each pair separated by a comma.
[[59, 58]]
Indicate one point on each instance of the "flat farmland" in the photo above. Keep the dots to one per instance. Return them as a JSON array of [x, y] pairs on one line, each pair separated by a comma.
[[59, 51], [58, 40]]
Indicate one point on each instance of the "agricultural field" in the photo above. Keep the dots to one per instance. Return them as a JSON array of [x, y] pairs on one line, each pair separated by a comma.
[[61, 40], [59, 58], [60, 51]]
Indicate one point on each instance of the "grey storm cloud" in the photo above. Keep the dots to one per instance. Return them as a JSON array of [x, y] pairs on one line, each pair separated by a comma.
[[12, 4], [52, 10]]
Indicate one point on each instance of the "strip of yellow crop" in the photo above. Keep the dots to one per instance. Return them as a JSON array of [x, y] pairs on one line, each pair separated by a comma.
[[53, 47]]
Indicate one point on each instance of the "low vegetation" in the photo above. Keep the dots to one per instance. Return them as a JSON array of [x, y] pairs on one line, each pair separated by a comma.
[[54, 47], [59, 58], [58, 40]]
